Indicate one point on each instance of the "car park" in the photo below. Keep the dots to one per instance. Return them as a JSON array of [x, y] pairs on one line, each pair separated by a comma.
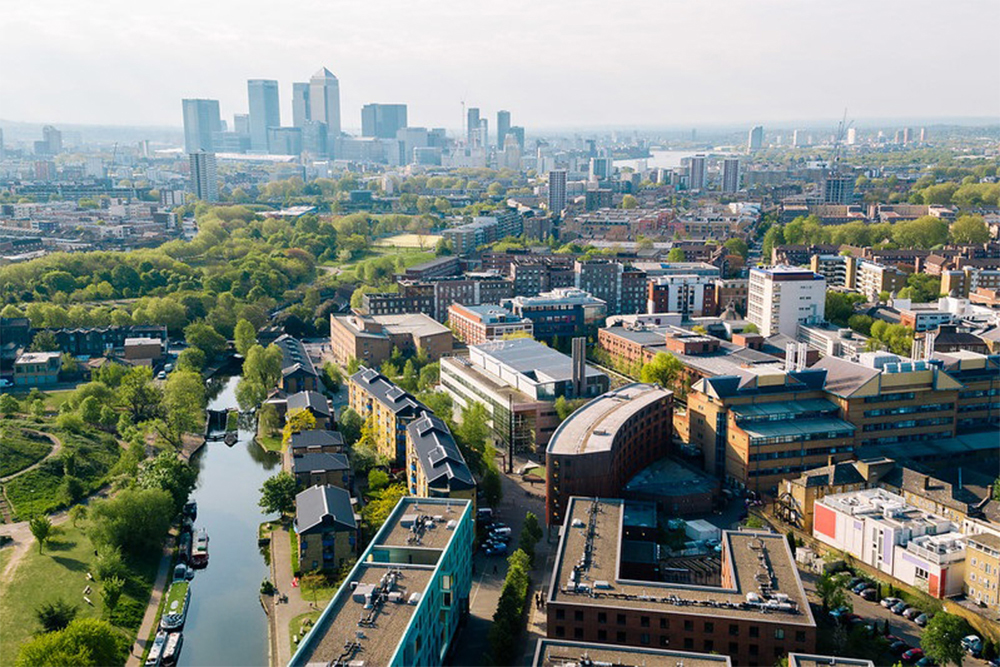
[[857, 588], [972, 643], [922, 619], [889, 603], [899, 648], [870, 594], [911, 613], [839, 612], [926, 661], [855, 581], [899, 607], [913, 655]]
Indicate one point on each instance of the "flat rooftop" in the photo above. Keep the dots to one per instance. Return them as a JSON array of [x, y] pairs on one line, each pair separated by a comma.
[[592, 428], [748, 555], [558, 653], [434, 535], [807, 660], [530, 358]]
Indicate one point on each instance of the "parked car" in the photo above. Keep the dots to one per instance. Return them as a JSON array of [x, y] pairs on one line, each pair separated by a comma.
[[889, 603], [850, 619], [926, 661], [839, 611], [503, 531], [857, 588], [972, 643], [913, 655], [922, 619], [899, 608], [4, 382], [870, 594], [899, 648], [854, 582], [911, 613]]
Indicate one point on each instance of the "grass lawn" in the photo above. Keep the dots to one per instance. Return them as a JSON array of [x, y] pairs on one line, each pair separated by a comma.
[[52, 399], [5, 553], [21, 450], [295, 626], [271, 443]]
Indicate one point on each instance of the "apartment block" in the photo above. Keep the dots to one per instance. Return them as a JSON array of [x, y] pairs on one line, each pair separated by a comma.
[[475, 325], [874, 278], [691, 295], [403, 601], [298, 373], [375, 397], [326, 527], [562, 312], [757, 615], [982, 570], [435, 468], [603, 444], [562, 652], [371, 339], [781, 297]]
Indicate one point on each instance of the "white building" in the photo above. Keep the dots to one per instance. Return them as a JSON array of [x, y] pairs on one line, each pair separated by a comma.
[[878, 527], [782, 297]]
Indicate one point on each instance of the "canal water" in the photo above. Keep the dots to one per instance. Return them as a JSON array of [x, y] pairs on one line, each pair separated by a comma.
[[226, 624]]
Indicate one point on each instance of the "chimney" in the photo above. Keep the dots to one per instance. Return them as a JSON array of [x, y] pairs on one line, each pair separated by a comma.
[[579, 367], [927, 482]]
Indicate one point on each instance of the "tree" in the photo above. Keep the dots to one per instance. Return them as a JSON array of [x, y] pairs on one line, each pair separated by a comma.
[[56, 615], [191, 359], [737, 246], [278, 494], [942, 638], [298, 420], [676, 255], [84, 642], [77, 513], [377, 479], [751, 328], [41, 528], [378, 509], [790, 536], [183, 404], [44, 341], [924, 232], [9, 405], [474, 429], [332, 377], [832, 590], [135, 521], [244, 336], [111, 592], [90, 410], [970, 229], [840, 306], [492, 487], [261, 373], [139, 395], [38, 409], [171, 474], [205, 338], [663, 369], [565, 408], [350, 426], [353, 365], [629, 201]]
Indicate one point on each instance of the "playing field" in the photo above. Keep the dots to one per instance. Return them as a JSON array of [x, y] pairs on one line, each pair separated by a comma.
[[410, 241]]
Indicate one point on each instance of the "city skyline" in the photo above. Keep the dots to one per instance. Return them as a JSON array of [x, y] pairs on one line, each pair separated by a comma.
[[707, 66]]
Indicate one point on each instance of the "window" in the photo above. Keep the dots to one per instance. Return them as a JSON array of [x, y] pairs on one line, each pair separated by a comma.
[[560, 614], [578, 633], [734, 630], [689, 625], [920, 573], [779, 633], [754, 649], [602, 617], [734, 648], [560, 631], [688, 642], [644, 638], [800, 636], [446, 582], [644, 621], [664, 624], [578, 615], [621, 619], [709, 626], [602, 635], [447, 600], [621, 636], [708, 645], [754, 631], [664, 640]]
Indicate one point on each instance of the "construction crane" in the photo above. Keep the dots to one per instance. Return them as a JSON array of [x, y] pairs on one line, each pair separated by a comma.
[[838, 143]]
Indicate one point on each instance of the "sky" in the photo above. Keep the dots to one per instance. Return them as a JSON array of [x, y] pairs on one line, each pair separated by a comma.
[[551, 63]]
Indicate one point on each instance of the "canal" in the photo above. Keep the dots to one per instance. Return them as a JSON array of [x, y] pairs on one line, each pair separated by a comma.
[[226, 624]]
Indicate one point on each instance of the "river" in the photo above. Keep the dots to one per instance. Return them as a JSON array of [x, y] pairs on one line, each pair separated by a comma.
[[226, 624], [661, 158]]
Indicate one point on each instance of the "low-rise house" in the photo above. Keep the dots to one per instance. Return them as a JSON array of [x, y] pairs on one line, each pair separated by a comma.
[[33, 369], [297, 370], [312, 442], [326, 527], [316, 404], [318, 468]]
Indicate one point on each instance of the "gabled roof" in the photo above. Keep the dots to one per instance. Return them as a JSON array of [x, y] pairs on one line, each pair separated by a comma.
[[319, 462], [844, 378], [313, 400], [387, 393], [317, 438], [438, 453], [324, 505], [294, 356]]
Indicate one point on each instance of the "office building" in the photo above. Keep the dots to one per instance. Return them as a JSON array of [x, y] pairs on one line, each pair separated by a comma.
[[475, 325], [472, 136], [518, 133], [688, 294], [881, 530], [34, 369], [780, 297], [602, 445], [731, 174], [403, 601], [601, 168], [51, 143], [325, 527], [757, 613], [518, 381], [264, 111], [201, 122], [284, 140], [510, 157], [557, 191], [697, 173], [324, 101], [382, 120], [389, 408], [562, 653], [756, 139], [982, 570], [562, 312], [371, 338], [435, 468], [838, 189], [301, 107], [503, 127], [484, 132], [621, 287], [204, 179], [241, 124], [315, 138]]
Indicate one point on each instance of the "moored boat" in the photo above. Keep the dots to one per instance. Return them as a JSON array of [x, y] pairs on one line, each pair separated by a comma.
[[199, 551], [176, 606], [155, 655], [184, 546], [172, 649]]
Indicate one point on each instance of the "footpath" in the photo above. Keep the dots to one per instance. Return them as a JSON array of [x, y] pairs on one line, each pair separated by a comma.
[[151, 617], [281, 613]]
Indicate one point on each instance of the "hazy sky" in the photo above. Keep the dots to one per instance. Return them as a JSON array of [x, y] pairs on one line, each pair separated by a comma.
[[552, 63]]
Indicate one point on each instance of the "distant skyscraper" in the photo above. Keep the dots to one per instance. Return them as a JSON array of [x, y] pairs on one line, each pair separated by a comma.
[[204, 182], [264, 110], [696, 176], [518, 132], [601, 168], [382, 120], [797, 138], [241, 123], [731, 174], [838, 189], [511, 153], [756, 139], [201, 121], [472, 126], [300, 104], [503, 127], [284, 140], [484, 132], [51, 143], [557, 190], [907, 135], [314, 138], [923, 134], [324, 101], [852, 136]]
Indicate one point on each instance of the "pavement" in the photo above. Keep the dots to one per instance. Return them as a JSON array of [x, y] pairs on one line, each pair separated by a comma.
[[280, 614], [150, 618], [471, 644]]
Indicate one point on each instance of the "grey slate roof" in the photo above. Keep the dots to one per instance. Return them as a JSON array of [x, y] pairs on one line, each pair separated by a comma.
[[386, 392], [294, 356], [317, 438], [440, 457], [324, 505], [313, 400], [319, 462]]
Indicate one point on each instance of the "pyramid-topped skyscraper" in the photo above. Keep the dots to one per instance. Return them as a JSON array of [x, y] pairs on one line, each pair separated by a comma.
[[324, 101]]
